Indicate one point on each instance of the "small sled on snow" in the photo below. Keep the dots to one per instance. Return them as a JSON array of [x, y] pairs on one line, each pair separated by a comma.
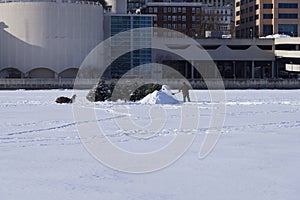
[[66, 99]]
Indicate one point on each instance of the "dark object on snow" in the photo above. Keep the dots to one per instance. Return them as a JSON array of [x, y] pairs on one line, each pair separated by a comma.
[[100, 92], [66, 99], [144, 90]]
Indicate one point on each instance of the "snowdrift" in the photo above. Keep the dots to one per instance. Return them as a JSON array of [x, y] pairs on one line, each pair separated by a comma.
[[158, 97]]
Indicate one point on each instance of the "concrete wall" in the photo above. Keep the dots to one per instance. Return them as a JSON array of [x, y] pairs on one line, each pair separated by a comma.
[[51, 35]]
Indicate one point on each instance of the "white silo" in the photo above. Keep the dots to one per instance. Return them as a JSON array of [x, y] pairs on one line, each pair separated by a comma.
[[117, 6], [44, 39]]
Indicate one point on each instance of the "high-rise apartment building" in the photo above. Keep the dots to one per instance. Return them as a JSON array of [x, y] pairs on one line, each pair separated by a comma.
[[256, 18]]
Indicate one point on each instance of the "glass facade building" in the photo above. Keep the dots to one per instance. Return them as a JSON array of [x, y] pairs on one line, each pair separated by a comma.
[[131, 43]]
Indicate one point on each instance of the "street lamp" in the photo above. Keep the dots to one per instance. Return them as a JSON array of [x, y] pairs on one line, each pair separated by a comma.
[[251, 36]]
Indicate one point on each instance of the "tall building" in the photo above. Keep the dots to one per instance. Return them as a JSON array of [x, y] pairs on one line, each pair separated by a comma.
[[117, 23], [117, 20], [256, 18], [197, 19]]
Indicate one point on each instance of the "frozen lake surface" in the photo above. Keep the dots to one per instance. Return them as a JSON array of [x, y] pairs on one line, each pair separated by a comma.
[[256, 157]]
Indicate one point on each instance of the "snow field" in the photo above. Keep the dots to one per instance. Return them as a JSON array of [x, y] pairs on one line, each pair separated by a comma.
[[257, 156]]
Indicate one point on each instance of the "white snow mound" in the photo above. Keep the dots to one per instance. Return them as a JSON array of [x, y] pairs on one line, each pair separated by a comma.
[[158, 97], [166, 89]]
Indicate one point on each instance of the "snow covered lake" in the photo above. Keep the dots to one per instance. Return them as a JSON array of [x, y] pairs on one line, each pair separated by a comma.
[[256, 157]]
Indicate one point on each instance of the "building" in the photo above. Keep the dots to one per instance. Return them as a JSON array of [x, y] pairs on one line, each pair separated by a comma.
[[134, 5], [117, 23], [47, 39], [241, 59], [197, 19], [257, 18], [50, 40]]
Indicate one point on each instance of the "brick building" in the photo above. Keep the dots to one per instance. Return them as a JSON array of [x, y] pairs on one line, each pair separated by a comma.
[[197, 19]]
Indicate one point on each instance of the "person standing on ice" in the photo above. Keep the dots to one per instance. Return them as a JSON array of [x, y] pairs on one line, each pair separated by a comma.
[[185, 92]]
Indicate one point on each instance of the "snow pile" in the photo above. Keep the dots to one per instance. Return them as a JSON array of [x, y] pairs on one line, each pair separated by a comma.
[[276, 36], [159, 97], [166, 89]]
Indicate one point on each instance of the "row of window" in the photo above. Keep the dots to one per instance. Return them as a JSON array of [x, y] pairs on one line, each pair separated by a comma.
[[184, 10], [248, 19], [173, 9], [268, 16], [175, 18], [269, 6], [243, 2], [288, 29], [174, 26], [281, 5], [246, 10], [193, 26]]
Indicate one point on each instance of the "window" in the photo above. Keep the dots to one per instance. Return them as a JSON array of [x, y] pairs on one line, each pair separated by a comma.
[[179, 18], [256, 7], [150, 10], [184, 18], [288, 29], [174, 10], [174, 18], [179, 9], [268, 29], [183, 26], [169, 18], [184, 9], [193, 10], [251, 9], [287, 5], [174, 26], [256, 17], [155, 9], [288, 16], [165, 9], [237, 4], [237, 13], [268, 6], [169, 9], [165, 18], [268, 16], [251, 18]]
